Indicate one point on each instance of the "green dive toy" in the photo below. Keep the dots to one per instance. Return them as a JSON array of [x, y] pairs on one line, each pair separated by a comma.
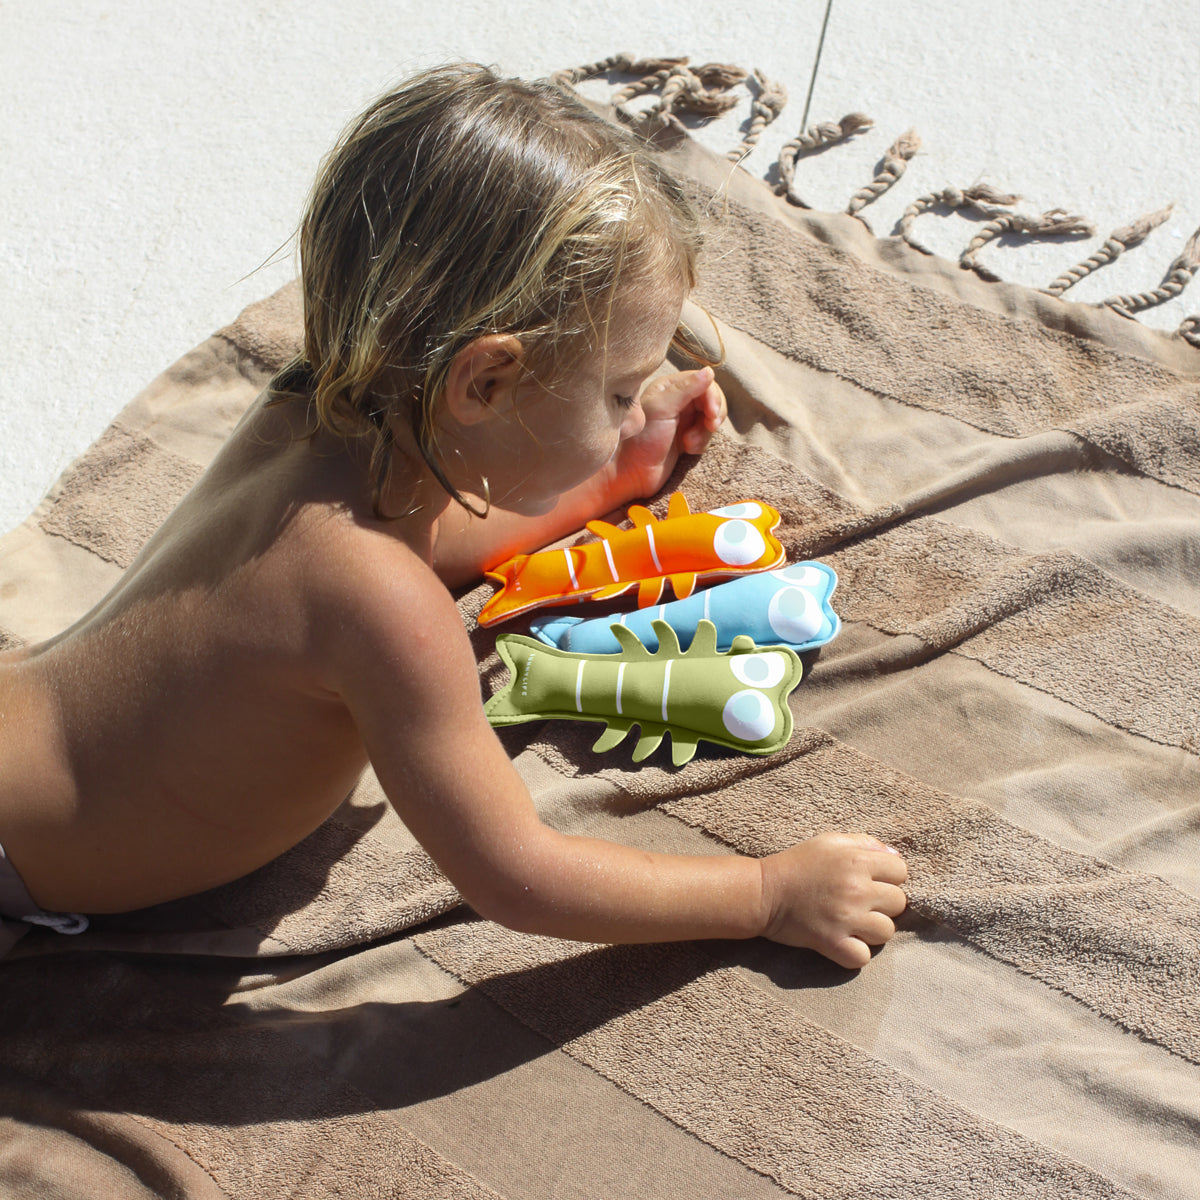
[[736, 699]]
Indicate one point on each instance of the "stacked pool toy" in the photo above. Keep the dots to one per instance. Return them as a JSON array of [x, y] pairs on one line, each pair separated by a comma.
[[716, 665]]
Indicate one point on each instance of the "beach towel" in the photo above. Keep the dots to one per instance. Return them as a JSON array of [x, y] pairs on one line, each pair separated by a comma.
[[1008, 487]]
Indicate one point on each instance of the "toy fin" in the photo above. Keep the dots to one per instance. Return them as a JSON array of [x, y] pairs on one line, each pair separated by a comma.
[[613, 589], [704, 640], [613, 735], [678, 506], [603, 529], [640, 516], [684, 585], [743, 644], [683, 747], [631, 645], [650, 592], [649, 742], [668, 639]]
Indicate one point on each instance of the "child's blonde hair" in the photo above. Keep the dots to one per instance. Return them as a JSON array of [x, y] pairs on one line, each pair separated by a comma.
[[463, 204]]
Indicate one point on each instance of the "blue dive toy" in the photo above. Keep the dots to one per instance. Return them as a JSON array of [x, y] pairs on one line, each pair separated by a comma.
[[787, 607]]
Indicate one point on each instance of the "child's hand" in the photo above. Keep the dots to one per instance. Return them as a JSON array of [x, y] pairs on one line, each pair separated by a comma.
[[682, 411], [836, 893]]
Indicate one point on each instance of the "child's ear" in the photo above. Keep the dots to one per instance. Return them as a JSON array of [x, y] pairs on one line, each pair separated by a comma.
[[483, 377]]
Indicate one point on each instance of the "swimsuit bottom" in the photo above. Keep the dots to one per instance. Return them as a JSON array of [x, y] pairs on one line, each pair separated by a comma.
[[18, 911]]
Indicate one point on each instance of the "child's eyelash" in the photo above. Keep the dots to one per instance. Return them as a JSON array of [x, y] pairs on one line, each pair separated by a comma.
[[624, 401]]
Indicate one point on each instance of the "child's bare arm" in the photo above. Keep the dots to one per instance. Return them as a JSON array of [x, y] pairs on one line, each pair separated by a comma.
[[683, 410], [412, 688], [411, 685]]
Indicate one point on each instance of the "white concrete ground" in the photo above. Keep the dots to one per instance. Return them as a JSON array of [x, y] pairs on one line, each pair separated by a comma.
[[156, 153]]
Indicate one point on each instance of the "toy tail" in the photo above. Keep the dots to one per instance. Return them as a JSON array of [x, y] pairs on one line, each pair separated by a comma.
[[509, 705], [507, 601], [555, 631]]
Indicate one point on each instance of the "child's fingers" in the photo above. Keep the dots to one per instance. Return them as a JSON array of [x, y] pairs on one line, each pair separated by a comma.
[[714, 406], [706, 417], [850, 952], [890, 900], [671, 394], [694, 433], [710, 413], [876, 928], [854, 950], [888, 867], [869, 842], [697, 382]]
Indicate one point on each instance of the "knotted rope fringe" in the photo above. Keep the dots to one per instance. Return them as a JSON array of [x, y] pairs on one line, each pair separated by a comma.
[[768, 104], [980, 196], [810, 139], [703, 90], [626, 64], [1179, 275], [895, 163], [682, 88], [1056, 221], [1117, 243], [648, 83]]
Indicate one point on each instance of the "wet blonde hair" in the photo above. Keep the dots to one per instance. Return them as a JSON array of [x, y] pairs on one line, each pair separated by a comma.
[[462, 204]]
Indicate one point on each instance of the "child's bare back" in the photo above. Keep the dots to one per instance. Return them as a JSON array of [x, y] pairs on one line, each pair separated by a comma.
[[189, 729], [292, 621]]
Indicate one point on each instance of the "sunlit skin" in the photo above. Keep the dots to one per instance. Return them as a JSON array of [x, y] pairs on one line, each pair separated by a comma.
[[274, 637]]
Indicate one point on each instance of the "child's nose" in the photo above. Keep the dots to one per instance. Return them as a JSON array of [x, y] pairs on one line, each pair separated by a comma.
[[634, 422]]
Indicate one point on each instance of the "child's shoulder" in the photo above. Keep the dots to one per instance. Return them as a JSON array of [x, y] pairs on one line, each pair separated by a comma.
[[389, 640], [282, 523], [368, 573], [367, 582]]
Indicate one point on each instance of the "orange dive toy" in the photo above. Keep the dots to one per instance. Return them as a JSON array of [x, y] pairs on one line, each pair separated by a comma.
[[682, 547]]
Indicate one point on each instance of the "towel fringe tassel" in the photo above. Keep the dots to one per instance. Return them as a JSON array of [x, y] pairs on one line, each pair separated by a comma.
[[1179, 275], [815, 137], [768, 104], [893, 166], [624, 64], [1115, 245], [1055, 222], [704, 90], [981, 197]]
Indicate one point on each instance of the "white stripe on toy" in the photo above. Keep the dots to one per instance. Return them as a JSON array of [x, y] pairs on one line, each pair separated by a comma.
[[653, 551], [612, 566]]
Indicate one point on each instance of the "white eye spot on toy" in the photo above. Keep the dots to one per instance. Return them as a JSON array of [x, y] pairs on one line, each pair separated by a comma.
[[758, 670], [738, 543], [801, 574], [748, 715], [748, 510], [794, 615]]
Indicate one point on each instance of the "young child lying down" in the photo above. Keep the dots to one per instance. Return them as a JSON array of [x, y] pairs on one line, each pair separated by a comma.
[[491, 275]]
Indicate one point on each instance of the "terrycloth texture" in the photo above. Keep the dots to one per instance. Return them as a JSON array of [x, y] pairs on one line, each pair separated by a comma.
[[1006, 485]]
